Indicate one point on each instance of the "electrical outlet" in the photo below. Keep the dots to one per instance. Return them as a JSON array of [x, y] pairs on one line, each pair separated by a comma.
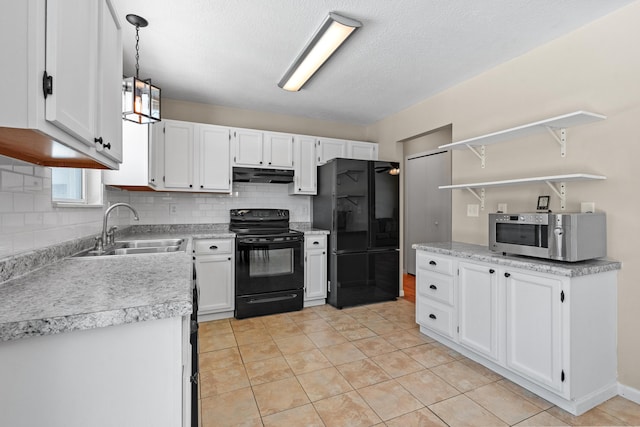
[[173, 209], [587, 207], [473, 209], [502, 207]]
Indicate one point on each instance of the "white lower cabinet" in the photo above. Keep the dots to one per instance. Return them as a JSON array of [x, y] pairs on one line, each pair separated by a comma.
[[478, 307], [214, 265], [315, 270], [553, 335]]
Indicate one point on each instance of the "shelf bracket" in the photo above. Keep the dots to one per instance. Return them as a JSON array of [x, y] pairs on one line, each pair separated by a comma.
[[480, 196], [561, 192], [560, 138], [481, 154]]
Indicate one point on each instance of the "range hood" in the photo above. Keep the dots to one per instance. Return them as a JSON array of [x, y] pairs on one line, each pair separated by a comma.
[[274, 176]]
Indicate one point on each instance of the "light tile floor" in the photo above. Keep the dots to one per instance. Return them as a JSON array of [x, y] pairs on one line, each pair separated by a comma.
[[362, 366]]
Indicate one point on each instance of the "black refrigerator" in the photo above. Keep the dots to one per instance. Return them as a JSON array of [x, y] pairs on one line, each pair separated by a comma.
[[358, 202]]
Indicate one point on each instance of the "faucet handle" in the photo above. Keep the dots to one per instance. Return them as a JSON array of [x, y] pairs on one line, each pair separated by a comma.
[[111, 234], [99, 244]]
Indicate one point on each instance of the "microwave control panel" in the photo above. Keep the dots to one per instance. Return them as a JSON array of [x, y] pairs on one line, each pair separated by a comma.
[[523, 218]]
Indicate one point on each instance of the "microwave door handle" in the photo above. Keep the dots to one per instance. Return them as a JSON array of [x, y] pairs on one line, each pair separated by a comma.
[[557, 233]]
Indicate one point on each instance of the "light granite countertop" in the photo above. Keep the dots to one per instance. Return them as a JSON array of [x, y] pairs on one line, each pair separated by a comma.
[[47, 291], [482, 253]]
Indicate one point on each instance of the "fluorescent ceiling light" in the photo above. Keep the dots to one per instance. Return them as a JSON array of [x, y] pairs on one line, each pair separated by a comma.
[[331, 34]]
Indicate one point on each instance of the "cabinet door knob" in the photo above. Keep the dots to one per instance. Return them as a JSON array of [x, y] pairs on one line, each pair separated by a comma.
[[202, 186], [434, 287], [260, 162], [229, 259], [433, 262], [432, 316], [269, 162], [507, 274], [213, 247], [153, 180], [491, 271], [98, 140], [190, 185], [107, 146]]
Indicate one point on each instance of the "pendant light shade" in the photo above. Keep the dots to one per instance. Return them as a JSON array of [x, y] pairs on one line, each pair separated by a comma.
[[140, 98]]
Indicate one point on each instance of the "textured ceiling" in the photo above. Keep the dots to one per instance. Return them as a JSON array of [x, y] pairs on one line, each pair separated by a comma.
[[234, 52]]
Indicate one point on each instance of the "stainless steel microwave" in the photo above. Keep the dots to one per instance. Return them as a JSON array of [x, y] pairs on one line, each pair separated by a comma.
[[558, 236]]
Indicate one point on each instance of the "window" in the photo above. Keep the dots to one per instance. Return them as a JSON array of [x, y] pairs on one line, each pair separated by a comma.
[[76, 187]]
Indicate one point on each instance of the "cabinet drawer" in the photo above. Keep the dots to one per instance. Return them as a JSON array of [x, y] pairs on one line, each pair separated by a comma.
[[436, 317], [213, 246], [436, 287], [315, 242], [427, 261]]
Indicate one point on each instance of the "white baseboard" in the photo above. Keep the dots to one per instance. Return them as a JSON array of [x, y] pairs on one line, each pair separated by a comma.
[[630, 393]]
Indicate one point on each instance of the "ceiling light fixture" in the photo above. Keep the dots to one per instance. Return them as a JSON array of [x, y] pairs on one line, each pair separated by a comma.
[[140, 99], [327, 39]]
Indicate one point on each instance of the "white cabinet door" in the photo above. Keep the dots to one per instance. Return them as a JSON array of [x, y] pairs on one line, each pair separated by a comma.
[[156, 155], [110, 83], [214, 274], [248, 148], [328, 149], [362, 150], [214, 159], [534, 327], [71, 60], [278, 150], [178, 155], [315, 269], [478, 305], [305, 169]]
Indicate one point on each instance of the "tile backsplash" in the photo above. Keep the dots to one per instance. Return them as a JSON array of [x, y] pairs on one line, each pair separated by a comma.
[[28, 220], [202, 208]]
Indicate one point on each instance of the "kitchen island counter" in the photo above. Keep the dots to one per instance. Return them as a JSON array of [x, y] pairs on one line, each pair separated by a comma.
[[482, 253]]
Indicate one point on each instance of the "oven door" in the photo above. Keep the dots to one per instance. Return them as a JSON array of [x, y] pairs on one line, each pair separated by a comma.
[[269, 266]]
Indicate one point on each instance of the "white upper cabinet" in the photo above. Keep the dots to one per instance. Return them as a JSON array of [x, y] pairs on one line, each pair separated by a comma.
[[110, 84], [278, 150], [134, 170], [327, 149], [248, 148], [62, 90], [215, 149], [185, 156], [362, 150], [304, 166], [262, 149]]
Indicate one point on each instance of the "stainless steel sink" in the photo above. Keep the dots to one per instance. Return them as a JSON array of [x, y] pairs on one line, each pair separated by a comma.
[[139, 246]]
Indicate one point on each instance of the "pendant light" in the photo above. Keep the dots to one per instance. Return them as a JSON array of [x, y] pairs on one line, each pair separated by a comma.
[[140, 99]]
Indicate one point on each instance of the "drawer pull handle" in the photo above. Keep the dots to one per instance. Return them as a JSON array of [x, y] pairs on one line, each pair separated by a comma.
[[433, 262], [316, 243], [491, 271], [434, 287], [507, 274], [432, 316], [213, 247]]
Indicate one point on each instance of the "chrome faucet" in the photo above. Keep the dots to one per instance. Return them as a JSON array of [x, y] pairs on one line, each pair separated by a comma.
[[103, 239]]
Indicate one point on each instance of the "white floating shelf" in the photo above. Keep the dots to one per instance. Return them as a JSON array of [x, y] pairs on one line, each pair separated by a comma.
[[549, 180], [556, 126]]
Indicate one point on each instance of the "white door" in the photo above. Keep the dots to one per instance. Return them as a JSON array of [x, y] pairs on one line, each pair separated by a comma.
[[328, 149], [278, 150], [478, 308], [248, 148], [71, 61], [178, 155], [215, 281], [110, 84], [534, 327], [215, 168], [305, 166]]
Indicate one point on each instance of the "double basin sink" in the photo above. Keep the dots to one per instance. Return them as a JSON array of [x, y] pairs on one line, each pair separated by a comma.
[[143, 246]]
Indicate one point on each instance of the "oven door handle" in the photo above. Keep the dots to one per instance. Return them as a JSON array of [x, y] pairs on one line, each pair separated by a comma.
[[273, 299]]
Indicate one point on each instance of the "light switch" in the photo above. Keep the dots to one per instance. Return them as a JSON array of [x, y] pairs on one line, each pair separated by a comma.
[[473, 209], [587, 207]]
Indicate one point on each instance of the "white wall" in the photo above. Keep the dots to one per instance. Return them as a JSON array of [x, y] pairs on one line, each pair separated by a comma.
[[595, 68]]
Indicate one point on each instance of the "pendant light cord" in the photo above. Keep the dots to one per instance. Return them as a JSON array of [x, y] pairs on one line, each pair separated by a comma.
[[137, 52]]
